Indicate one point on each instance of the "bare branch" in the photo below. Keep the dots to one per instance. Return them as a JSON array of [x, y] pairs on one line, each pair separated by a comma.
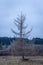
[[15, 32], [29, 31], [17, 21], [16, 24]]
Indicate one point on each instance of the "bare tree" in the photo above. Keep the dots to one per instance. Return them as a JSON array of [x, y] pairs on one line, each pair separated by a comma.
[[19, 22]]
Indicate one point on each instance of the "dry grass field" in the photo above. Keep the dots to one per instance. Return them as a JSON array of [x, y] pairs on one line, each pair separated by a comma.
[[11, 60]]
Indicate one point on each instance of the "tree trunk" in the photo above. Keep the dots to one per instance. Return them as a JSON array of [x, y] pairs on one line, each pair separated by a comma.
[[23, 54], [23, 57]]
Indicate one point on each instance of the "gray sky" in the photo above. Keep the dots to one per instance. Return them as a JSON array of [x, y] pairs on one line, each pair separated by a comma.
[[32, 9]]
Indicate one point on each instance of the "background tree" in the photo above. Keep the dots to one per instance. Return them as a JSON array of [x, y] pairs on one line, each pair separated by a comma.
[[19, 22]]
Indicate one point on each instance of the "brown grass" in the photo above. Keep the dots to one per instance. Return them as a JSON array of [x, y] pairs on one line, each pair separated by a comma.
[[17, 61]]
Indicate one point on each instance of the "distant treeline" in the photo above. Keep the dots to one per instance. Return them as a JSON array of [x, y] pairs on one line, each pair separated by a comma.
[[8, 40], [38, 41], [5, 40]]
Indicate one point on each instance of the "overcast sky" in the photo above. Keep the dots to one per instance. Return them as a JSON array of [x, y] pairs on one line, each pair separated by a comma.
[[32, 9]]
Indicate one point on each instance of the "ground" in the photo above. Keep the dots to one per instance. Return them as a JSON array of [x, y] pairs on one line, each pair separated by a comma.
[[17, 60]]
